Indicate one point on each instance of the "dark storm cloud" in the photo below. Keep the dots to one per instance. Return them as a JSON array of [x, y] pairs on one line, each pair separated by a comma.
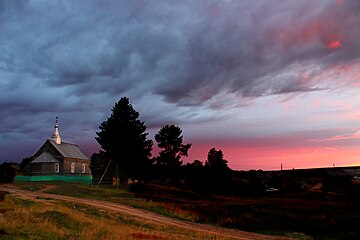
[[77, 58], [186, 52]]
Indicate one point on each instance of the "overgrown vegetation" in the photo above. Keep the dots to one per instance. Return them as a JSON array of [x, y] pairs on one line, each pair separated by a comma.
[[315, 214]]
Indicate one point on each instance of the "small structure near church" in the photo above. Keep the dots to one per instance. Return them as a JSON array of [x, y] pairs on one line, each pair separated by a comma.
[[57, 160], [8, 172]]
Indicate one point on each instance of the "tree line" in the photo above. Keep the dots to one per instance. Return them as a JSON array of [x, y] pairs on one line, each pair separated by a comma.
[[126, 152]]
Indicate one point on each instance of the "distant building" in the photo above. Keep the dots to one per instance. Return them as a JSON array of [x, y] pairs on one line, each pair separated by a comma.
[[57, 160], [8, 172]]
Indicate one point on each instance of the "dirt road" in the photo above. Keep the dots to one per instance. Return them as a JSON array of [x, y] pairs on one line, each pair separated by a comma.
[[140, 214]]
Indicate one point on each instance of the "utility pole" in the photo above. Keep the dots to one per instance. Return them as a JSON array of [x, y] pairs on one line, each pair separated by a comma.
[[103, 174], [117, 176]]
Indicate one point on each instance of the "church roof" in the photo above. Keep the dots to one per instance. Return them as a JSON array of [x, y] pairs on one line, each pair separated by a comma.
[[45, 157], [68, 150]]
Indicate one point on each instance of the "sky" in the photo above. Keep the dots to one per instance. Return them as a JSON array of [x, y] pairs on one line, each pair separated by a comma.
[[267, 82]]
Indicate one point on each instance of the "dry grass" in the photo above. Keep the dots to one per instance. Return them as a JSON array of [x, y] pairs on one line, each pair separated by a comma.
[[295, 215], [24, 219]]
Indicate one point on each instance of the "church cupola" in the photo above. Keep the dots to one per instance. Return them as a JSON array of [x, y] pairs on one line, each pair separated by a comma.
[[56, 136]]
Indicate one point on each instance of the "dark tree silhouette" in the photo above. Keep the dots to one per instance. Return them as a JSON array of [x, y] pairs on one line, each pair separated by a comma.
[[194, 175], [215, 160], [170, 140], [123, 138], [25, 164], [98, 160], [217, 171], [98, 164], [197, 164]]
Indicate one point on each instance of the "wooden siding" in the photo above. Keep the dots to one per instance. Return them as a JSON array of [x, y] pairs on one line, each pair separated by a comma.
[[78, 166], [38, 168]]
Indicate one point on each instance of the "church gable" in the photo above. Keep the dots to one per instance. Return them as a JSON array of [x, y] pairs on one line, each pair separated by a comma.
[[45, 157], [47, 147]]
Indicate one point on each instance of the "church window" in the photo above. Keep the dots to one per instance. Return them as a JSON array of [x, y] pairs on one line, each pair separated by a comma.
[[72, 167], [83, 167]]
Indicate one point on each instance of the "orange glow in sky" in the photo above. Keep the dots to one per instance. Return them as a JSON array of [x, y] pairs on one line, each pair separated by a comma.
[[334, 44]]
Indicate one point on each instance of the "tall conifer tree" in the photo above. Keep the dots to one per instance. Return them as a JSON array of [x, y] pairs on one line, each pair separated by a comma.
[[123, 138]]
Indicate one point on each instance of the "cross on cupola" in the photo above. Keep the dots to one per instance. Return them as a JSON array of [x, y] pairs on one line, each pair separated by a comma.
[[56, 136]]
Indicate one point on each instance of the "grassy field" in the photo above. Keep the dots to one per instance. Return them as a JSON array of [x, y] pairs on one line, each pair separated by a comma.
[[25, 219], [304, 215]]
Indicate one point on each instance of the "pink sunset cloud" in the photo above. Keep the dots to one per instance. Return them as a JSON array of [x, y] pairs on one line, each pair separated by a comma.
[[353, 135], [334, 44]]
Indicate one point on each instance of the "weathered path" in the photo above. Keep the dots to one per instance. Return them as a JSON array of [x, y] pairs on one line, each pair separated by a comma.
[[141, 214]]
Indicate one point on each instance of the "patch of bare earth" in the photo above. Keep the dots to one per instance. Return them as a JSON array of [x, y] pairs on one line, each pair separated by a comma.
[[139, 214]]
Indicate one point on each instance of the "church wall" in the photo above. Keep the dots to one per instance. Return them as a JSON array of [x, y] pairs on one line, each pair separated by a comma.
[[48, 168], [36, 168], [43, 168], [66, 166], [78, 166]]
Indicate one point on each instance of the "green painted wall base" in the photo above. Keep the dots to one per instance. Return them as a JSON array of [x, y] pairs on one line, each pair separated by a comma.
[[77, 179]]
